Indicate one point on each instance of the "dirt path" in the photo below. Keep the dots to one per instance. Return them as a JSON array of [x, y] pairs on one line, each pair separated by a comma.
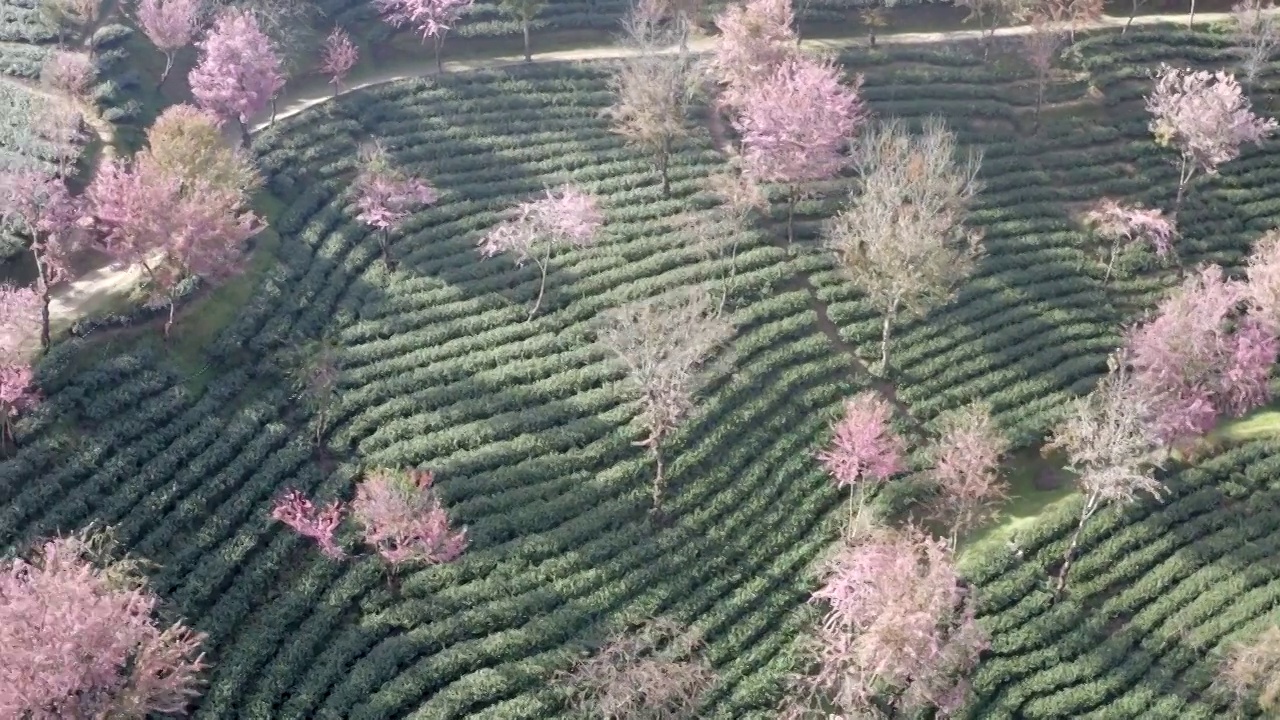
[[308, 95], [104, 286]]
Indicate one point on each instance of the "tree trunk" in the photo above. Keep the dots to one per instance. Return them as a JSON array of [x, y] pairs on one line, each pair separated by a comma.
[[168, 324], [871, 35], [273, 109], [524, 27], [43, 285], [1133, 11], [791, 211], [664, 160], [1191, 15], [884, 338], [542, 284], [1185, 171], [1086, 512], [1040, 80], [244, 134], [659, 478], [336, 90], [384, 242], [438, 41], [1110, 264], [168, 65]]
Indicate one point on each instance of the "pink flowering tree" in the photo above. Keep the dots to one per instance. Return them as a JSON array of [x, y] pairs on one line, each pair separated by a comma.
[[567, 216], [1206, 117], [1127, 225], [338, 57], [81, 640], [899, 629], [796, 125], [403, 519], [173, 229], [1262, 291], [756, 38], [44, 208], [170, 25], [965, 468], [68, 72], [19, 321], [239, 71], [386, 195], [319, 524], [1200, 357], [864, 448], [432, 19], [18, 393], [59, 121]]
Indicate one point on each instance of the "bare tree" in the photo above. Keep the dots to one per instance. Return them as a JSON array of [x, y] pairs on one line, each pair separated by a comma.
[[1040, 47], [1252, 670], [315, 375], [654, 672], [682, 14], [1112, 447], [523, 12], [901, 239], [654, 91], [989, 14], [77, 14], [715, 236], [1257, 34], [664, 344]]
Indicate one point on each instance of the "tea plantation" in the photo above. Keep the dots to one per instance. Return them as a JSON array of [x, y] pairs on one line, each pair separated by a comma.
[[531, 436]]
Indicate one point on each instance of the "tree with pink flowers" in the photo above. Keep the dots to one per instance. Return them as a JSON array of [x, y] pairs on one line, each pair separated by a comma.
[[173, 229], [1124, 225], [433, 19], [864, 449], [565, 217], [756, 39], [319, 524], [899, 629], [386, 195], [68, 72], [403, 520], [1201, 357], [41, 205], [18, 393], [81, 639], [796, 125], [19, 320], [239, 71], [170, 25], [338, 57], [1206, 117], [1111, 445], [965, 469], [1262, 290]]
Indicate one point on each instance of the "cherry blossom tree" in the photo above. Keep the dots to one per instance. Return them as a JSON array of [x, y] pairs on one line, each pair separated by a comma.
[[1126, 225], [81, 640], [1257, 35], [172, 228], [18, 393], [1251, 669], [654, 91], [433, 19], [899, 629], [403, 519], [170, 25], [1262, 291], [664, 344], [19, 320], [901, 240], [796, 125], [756, 38], [239, 71], [523, 12], [567, 216], [1112, 446], [1200, 358], [50, 215], [656, 671], [1206, 117], [68, 72], [59, 122], [864, 449], [186, 142], [965, 458], [339, 56], [319, 524], [386, 195]]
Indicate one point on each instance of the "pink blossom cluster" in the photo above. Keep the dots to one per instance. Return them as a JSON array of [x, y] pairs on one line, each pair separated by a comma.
[[564, 216], [864, 446], [320, 524], [1202, 358], [170, 24], [897, 619], [430, 18], [386, 198], [239, 70], [68, 72], [77, 644], [756, 38], [1129, 224], [1205, 115], [338, 57]]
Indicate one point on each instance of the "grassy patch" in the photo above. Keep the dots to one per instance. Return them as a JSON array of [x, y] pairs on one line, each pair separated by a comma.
[[1027, 502]]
